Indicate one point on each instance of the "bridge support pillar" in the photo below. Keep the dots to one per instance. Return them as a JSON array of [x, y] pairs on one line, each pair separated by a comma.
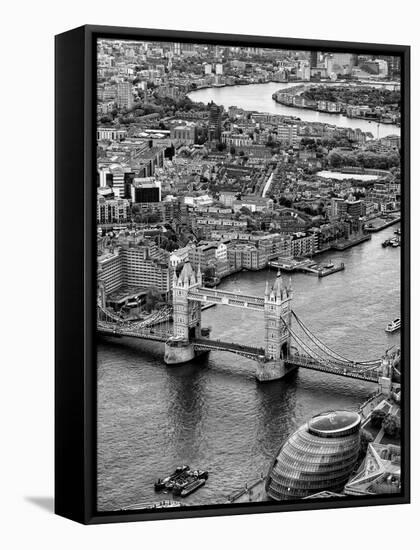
[[177, 353], [272, 369]]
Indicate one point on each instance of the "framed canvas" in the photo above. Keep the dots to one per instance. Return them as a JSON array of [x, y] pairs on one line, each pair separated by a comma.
[[232, 274]]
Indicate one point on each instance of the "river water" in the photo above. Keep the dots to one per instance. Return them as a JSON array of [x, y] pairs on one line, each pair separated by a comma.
[[258, 97], [212, 414]]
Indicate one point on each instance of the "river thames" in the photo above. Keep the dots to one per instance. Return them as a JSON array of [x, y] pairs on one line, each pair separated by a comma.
[[212, 414], [258, 97]]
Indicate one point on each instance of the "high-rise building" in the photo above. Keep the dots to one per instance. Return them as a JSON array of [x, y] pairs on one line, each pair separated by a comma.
[[124, 95], [314, 59], [215, 121]]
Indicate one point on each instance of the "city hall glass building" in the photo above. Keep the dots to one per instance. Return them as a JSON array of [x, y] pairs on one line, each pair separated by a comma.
[[319, 456]]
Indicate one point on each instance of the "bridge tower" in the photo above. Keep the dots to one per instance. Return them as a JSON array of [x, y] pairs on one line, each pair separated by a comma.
[[186, 316], [277, 317]]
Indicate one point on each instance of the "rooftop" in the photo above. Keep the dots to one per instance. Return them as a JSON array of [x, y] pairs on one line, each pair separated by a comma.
[[334, 423]]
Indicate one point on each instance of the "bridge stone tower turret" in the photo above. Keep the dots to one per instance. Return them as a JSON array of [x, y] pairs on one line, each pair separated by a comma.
[[186, 316], [277, 317]]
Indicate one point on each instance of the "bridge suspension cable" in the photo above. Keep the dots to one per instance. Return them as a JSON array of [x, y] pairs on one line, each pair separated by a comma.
[[336, 356], [306, 348]]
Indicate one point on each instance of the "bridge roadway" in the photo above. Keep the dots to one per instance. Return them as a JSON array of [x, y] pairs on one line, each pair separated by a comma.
[[222, 297], [333, 368], [205, 344], [143, 334]]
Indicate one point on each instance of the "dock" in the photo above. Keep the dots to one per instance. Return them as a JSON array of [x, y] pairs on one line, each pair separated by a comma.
[[307, 266], [371, 228], [323, 272]]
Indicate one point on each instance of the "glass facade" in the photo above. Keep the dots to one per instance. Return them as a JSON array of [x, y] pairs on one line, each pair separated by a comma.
[[319, 456]]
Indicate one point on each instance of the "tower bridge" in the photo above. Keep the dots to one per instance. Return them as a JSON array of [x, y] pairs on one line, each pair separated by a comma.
[[285, 346]]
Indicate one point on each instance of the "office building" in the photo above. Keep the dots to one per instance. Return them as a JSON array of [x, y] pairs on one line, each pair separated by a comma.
[[146, 190], [185, 133], [112, 211], [319, 456]]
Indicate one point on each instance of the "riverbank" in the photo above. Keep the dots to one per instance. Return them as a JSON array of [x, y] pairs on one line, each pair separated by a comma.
[[226, 85], [258, 98], [294, 98]]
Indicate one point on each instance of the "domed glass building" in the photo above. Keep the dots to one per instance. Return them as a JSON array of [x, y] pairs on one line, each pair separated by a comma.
[[319, 456]]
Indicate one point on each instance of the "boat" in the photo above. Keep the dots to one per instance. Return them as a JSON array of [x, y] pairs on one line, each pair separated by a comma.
[[393, 325], [191, 487], [199, 474], [395, 242], [180, 479], [169, 481]]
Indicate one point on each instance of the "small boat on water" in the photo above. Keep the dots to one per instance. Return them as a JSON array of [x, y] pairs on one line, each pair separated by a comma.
[[393, 325], [191, 487], [181, 479], [169, 481], [395, 242]]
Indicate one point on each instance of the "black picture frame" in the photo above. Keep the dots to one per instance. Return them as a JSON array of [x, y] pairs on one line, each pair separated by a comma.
[[75, 273]]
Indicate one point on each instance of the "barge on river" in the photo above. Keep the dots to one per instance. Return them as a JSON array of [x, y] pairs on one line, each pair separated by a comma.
[[183, 481]]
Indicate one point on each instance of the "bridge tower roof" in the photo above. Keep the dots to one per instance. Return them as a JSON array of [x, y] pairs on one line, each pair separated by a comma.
[[187, 276], [278, 285]]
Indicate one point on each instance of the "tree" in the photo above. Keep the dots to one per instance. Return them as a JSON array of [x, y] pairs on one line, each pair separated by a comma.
[[245, 210], [391, 425], [365, 439], [377, 417], [153, 297], [209, 273]]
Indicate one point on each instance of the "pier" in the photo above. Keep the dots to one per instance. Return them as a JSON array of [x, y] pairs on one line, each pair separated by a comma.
[[306, 266]]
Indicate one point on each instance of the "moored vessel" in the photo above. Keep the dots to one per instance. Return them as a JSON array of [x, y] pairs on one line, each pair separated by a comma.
[[191, 487], [169, 481], [393, 325], [182, 481]]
